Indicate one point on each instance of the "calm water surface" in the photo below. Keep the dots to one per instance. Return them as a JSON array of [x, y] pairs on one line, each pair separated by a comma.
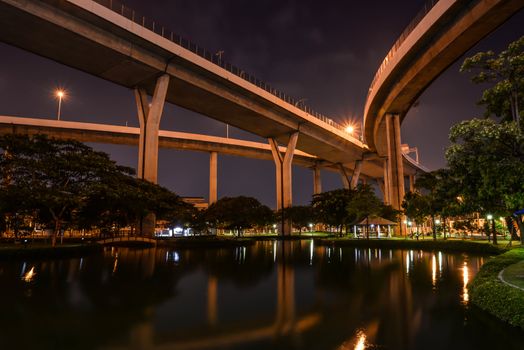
[[267, 296]]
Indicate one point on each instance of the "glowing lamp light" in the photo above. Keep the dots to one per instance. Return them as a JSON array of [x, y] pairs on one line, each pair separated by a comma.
[[350, 129], [489, 217], [60, 93], [437, 222]]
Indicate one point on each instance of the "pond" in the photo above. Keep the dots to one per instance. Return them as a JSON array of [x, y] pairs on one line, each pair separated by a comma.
[[272, 295]]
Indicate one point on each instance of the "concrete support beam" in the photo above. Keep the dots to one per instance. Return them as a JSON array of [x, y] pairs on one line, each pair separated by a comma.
[[411, 183], [356, 174], [283, 165], [344, 176], [317, 181], [149, 116], [284, 176], [213, 177], [277, 158], [395, 162], [386, 182]]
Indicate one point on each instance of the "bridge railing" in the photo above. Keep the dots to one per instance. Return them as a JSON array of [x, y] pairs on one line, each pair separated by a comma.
[[156, 27], [405, 33]]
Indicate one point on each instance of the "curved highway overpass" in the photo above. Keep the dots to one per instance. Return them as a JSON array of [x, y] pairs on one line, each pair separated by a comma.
[[436, 38]]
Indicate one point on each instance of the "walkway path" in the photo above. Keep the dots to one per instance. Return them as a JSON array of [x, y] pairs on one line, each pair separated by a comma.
[[513, 275]]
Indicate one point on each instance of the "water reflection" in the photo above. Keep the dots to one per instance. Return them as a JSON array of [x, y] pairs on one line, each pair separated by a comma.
[[29, 275], [296, 295], [465, 280]]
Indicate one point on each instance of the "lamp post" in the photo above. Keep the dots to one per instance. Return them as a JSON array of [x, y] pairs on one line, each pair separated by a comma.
[[493, 229], [60, 94]]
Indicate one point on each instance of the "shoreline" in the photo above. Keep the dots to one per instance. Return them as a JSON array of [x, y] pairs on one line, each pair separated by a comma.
[[491, 294]]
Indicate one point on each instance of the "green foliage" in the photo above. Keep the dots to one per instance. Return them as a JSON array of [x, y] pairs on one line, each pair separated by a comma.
[[490, 294], [66, 183], [505, 73], [330, 208], [239, 213], [299, 215], [487, 159]]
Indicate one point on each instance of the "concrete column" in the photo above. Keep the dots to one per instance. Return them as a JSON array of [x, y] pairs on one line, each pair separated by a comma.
[[287, 173], [411, 183], [284, 178], [317, 181], [386, 182], [213, 181], [149, 116], [356, 174], [344, 176], [283, 166], [277, 158], [395, 165]]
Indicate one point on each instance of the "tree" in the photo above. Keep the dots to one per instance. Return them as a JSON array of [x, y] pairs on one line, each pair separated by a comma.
[[237, 213], [416, 207], [506, 72], [330, 208], [55, 177], [299, 215], [364, 204], [487, 159]]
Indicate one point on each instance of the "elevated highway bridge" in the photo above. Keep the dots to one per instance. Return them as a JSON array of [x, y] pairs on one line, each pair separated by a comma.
[[110, 41], [124, 135]]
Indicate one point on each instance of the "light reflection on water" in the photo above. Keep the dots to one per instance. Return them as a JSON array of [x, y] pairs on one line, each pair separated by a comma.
[[297, 295]]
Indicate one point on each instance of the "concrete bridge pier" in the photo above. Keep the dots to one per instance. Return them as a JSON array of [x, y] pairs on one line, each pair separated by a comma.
[[395, 167], [317, 180], [149, 116], [284, 178], [346, 181], [350, 182], [213, 177], [356, 174]]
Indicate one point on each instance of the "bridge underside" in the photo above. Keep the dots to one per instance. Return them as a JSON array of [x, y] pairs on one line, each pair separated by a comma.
[[135, 57]]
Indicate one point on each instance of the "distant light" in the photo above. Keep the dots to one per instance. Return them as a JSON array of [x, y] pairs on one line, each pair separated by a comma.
[[437, 222], [405, 221], [350, 129], [60, 93], [274, 225], [310, 225], [409, 223], [489, 217]]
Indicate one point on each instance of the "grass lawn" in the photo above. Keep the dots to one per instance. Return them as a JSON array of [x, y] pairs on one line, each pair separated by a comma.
[[514, 274], [489, 293]]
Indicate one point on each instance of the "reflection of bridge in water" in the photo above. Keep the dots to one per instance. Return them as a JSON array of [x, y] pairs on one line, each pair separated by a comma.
[[286, 322]]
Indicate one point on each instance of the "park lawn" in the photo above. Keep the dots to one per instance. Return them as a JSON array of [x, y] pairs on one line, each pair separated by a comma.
[[514, 274], [489, 293]]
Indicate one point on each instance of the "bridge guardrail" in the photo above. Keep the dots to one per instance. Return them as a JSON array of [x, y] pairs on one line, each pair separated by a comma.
[[118, 7], [428, 6]]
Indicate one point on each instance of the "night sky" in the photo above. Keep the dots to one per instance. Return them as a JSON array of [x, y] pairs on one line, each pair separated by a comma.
[[326, 52]]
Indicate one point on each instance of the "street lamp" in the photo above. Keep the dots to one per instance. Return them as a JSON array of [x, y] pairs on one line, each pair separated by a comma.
[[60, 94], [350, 129]]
